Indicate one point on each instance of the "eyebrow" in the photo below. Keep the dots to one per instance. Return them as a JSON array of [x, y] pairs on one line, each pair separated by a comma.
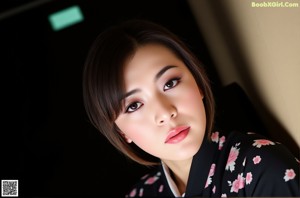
[[157, 76], [130, 93], [162, 71]]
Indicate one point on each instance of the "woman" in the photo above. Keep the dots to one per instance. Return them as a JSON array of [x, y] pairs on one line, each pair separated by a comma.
[[149, 96]]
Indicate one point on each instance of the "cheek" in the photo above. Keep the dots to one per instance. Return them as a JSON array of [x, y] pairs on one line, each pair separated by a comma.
[[192, 98], [131, 129], [141, 135]]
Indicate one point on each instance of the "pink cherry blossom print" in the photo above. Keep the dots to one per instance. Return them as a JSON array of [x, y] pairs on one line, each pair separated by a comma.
[[144, 177], [224, 195], [214, 189], [249, 178], [141, 193], [256, 159], [215, 137], [235, 186], [262, 142], [151, 180], [161, 188], [208, 182], [221, 142], [238, 184], [210, 174], [212, 170], [234, 152], [132, 193], [289, 175]]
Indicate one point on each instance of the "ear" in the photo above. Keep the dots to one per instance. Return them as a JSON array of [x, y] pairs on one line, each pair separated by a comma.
[[128, 140], [202, 94]]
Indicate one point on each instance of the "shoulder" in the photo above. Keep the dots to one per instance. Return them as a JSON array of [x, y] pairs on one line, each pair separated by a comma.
[[149, 185], [251, 142], [264, 166], [256, 149]]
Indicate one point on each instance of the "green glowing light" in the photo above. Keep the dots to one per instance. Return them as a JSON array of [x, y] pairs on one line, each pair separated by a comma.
[[65, 18]]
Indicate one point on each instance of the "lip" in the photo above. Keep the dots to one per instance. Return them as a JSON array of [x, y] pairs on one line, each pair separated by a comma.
[[177, 134]]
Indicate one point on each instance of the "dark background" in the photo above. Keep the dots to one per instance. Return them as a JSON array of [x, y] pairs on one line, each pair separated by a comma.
[[48, 143]]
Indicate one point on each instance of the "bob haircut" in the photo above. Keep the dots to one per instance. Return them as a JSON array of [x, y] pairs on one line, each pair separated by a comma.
[[103, 81]]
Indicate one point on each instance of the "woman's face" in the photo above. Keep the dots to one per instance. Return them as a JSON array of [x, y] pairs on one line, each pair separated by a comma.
[[164, 113]]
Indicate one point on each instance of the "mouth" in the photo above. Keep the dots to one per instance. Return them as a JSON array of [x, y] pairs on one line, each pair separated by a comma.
[[177, 134]]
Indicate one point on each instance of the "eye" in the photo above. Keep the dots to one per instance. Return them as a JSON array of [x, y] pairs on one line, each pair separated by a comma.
[[171, 83], [133, 107]]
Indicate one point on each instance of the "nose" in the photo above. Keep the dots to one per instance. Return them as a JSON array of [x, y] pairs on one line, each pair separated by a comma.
[[165, 110]]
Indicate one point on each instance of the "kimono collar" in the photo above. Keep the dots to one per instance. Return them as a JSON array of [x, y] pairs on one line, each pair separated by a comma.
[[200, 167], [170, 181]]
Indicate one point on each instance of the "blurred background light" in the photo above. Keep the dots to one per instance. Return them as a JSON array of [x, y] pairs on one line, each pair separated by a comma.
[[65, 18]]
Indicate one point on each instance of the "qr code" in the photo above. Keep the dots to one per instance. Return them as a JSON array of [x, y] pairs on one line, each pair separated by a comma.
[[9, 188]]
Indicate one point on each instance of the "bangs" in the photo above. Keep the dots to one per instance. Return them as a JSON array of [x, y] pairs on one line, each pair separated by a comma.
[[110, 79]]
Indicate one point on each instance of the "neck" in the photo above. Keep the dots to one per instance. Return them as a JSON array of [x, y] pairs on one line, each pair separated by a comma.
[[180, 172]]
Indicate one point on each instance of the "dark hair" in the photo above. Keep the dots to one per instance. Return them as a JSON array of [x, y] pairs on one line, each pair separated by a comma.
[[103, 81]]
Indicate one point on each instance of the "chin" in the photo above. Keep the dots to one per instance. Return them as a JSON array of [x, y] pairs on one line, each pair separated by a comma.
[[188, 152]]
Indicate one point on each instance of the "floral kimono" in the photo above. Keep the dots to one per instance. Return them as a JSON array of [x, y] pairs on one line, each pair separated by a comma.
[[233, 165]]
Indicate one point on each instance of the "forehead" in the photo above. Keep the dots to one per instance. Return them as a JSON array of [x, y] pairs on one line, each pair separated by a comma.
[[149, 58]]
